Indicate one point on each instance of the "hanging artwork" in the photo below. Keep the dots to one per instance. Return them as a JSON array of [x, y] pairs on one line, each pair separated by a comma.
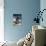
[[17, 19]]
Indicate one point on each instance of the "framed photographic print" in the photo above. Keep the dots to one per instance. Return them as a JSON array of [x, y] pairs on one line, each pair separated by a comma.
[[17, 19]]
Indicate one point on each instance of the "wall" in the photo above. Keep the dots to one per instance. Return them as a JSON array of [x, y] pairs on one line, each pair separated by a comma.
[[25, 7], [43, 6]]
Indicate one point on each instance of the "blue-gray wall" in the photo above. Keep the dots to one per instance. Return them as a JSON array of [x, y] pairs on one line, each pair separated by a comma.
[[27, 8], [43, 6]]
